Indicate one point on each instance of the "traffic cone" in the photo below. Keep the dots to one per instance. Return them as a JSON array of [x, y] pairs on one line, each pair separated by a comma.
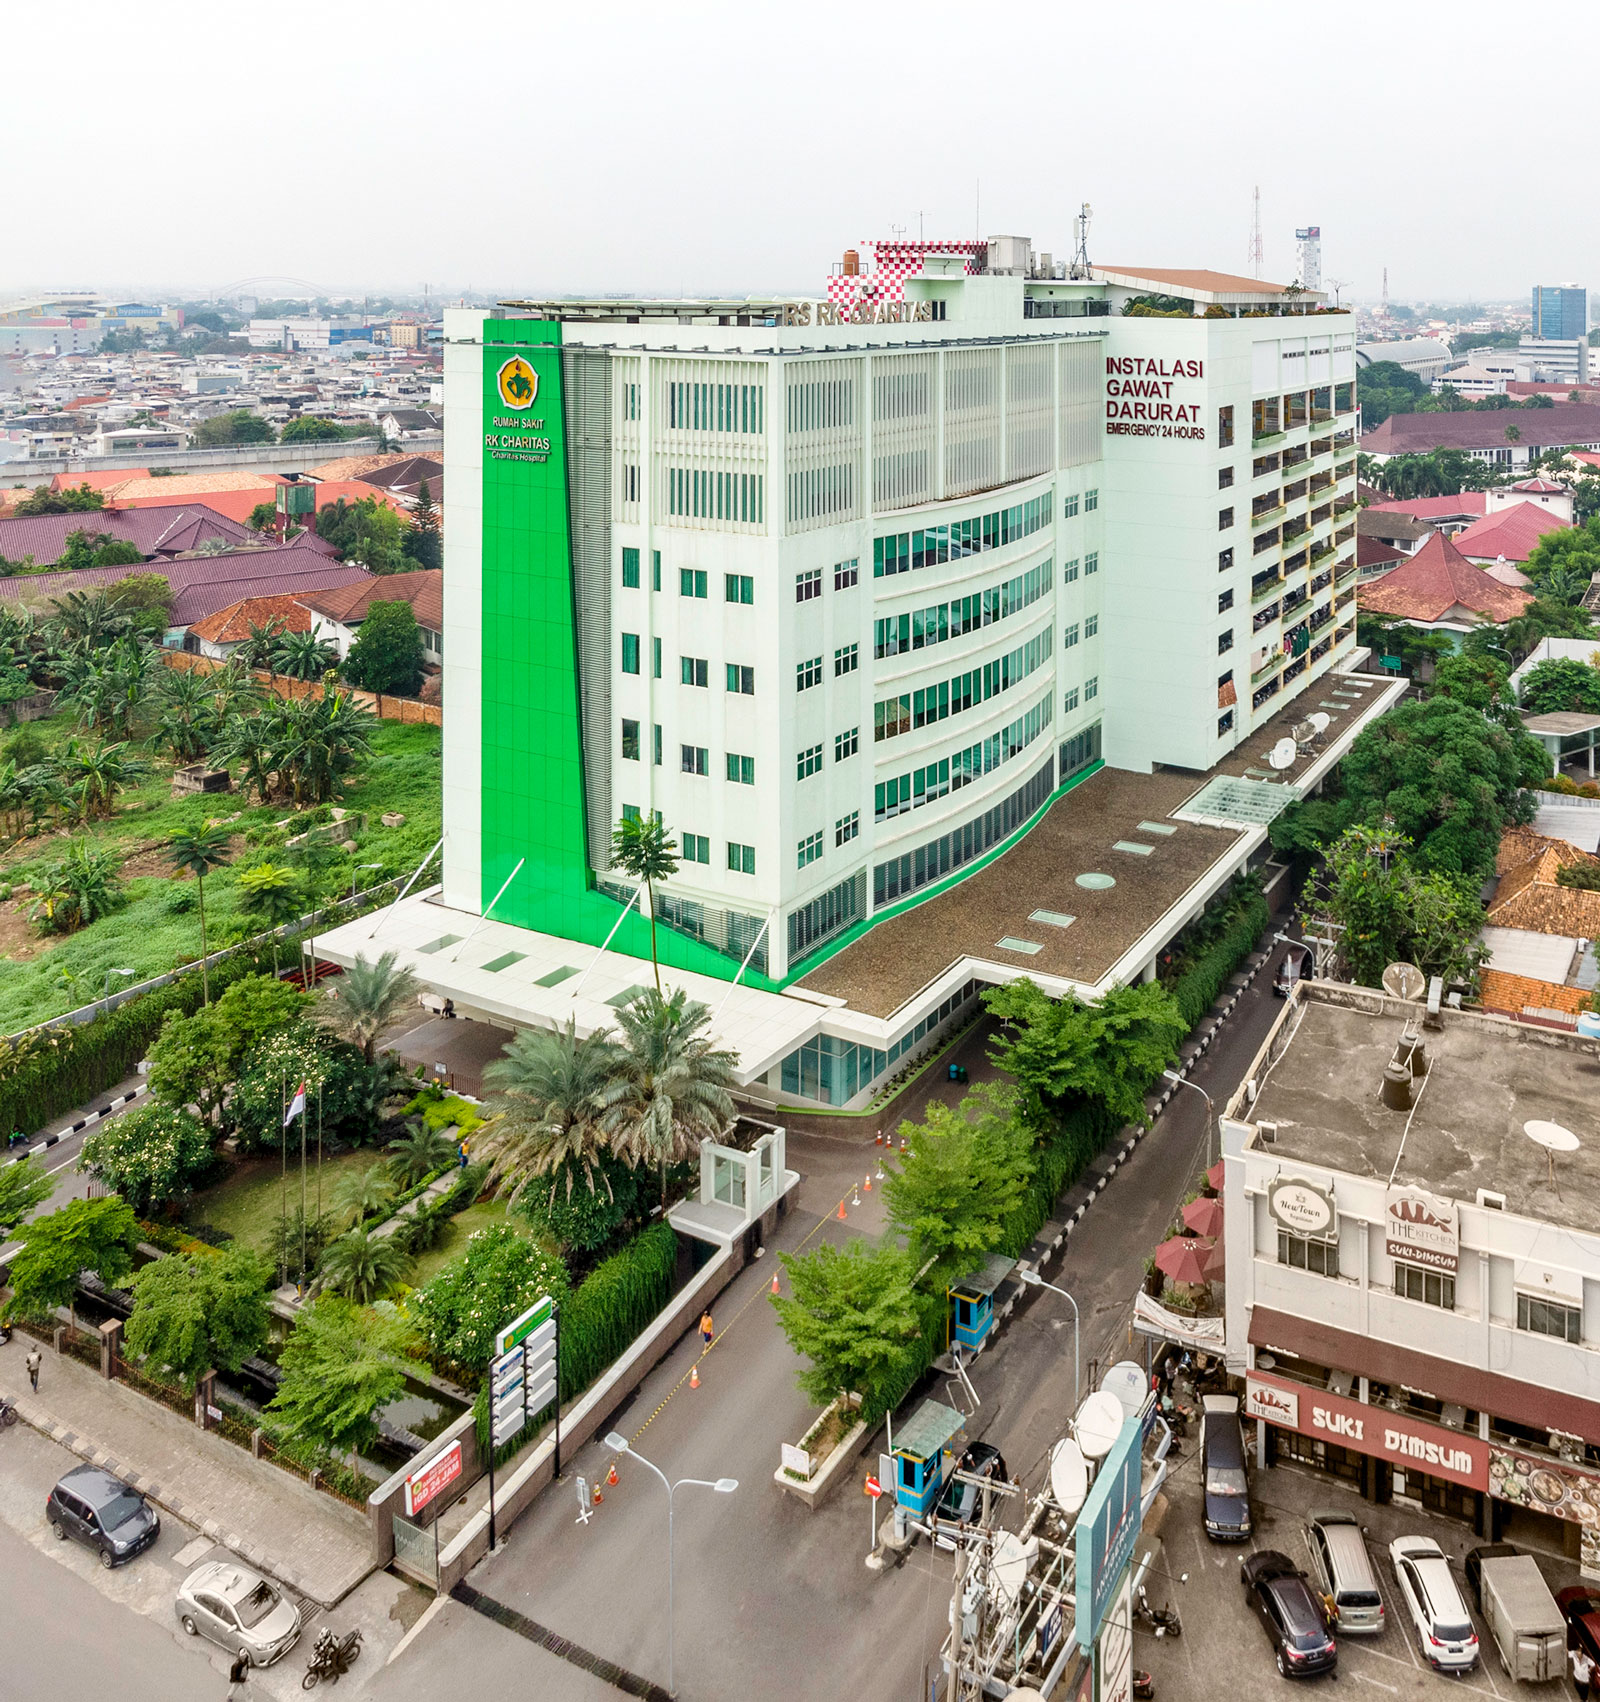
[[879, 1140], [694, 1376], [841, 1211], [598, 1497], [611, 1476], [868, 1184], [902, 1143], [774, 1282]]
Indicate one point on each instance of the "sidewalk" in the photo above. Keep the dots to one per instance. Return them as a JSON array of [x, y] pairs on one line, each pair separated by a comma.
[[316, 1545]]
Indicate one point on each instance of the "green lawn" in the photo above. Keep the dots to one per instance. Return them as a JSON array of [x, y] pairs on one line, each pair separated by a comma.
[[149, 935], [248, 1202], [481, 1216]]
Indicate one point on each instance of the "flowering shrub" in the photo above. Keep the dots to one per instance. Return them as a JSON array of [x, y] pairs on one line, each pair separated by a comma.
[[150, 1155]]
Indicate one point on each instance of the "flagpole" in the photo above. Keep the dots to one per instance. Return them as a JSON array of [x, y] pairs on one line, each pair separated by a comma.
[[319, 1152], [283, 1148], [302, 1202]]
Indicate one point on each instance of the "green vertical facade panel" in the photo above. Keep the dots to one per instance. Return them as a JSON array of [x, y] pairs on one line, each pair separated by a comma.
[[532, 800]]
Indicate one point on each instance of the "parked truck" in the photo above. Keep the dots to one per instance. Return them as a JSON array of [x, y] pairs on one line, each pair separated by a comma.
[[1529, 1633]]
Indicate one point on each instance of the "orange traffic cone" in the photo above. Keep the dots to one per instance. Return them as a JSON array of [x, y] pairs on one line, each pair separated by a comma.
[[868, 1184], [598, 1497], [694, 1376], [841, 1211], [611, 1476], [774, 1282], [879, 1140]]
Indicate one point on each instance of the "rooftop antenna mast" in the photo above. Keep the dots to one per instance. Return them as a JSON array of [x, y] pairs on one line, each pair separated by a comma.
[[1256, 247], [1384, 308], [1080, 255]]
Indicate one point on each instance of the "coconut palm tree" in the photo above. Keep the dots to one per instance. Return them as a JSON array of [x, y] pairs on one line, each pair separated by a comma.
[[358, 1197], [671, 1086], [551, 1091], [363, 1266], [642, 847], [367, 999], [418, 1153], [197, 851]]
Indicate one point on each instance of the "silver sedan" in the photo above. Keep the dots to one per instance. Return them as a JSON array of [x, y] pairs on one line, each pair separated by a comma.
[[238, 1608]]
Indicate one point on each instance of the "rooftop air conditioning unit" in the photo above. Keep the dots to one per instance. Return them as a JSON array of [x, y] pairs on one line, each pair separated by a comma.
[[1491, 1201], [1268, 1133]]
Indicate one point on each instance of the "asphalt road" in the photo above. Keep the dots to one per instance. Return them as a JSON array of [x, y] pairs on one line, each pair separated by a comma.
[[772, 1599]]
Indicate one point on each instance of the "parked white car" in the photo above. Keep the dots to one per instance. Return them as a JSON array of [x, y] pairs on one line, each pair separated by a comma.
[[238, 1608], [1428, 1589]]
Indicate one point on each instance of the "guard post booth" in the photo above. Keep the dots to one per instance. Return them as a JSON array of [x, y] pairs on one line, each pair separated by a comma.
[[920, 1449], [972, 1302]]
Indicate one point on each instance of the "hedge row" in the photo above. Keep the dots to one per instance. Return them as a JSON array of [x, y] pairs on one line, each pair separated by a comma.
[[1197, 988], [58, 1069], [608, 1311]]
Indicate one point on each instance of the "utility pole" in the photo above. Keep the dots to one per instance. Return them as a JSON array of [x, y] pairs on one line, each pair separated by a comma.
[[1256, 246]]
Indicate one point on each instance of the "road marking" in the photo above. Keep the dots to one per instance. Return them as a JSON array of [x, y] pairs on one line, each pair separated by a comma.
[[1394, 1689]]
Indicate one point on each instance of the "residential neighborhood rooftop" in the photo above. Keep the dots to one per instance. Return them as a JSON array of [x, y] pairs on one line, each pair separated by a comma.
[[1438, 583]]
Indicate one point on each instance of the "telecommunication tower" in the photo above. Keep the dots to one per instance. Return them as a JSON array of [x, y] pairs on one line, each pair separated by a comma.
[[1256, 247]]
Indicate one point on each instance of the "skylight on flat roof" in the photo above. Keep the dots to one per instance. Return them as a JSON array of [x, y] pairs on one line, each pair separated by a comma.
[[1229, 801], [1053, 918], [504, 961], [1029, 948], [1164, 827], [618, 1001], [440, 943], [556, 976], [1133, 847]]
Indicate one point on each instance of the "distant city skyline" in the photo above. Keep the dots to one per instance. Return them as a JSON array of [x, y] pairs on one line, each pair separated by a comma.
[[643, 152]]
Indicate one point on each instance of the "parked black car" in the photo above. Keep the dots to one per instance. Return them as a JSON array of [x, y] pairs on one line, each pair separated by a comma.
[[1225, 1478], [1291, 1614], [103, 1512]]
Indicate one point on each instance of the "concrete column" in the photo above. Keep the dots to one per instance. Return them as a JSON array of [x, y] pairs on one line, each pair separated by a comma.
[[1148, 973], [110, 1348], [205, 1395]]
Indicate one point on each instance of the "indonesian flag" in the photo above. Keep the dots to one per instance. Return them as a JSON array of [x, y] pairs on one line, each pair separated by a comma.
[[297, 1105]]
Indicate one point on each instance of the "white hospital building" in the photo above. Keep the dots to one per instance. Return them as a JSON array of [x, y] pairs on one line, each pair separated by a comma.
[[893, 603]]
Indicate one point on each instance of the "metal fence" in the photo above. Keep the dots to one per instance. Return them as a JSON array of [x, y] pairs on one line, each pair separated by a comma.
[[416, 1550]]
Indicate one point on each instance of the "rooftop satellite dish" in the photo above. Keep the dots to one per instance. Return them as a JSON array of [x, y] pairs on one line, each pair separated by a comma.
[[1304, 732], [1069, 1475], [1008, 1565], [1282, 754], [1553, 1138], [1098, 1424], [1128, 1383], [1404, 981], [1321, 720]]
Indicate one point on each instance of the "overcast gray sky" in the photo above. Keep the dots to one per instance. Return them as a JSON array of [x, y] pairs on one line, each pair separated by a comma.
[[655, 148]]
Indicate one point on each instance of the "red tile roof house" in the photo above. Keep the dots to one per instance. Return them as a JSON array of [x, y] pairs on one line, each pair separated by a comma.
[[1509, 536], [157, 533], [338, 614], [219, 635], [1439, 590]]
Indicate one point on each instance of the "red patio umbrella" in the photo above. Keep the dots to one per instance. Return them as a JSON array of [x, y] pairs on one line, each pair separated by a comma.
[[1214, 1174], [1191, 1259], [1204, 1216]]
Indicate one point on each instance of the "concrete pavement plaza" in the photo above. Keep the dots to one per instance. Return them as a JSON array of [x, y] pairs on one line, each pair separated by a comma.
[[315, 1544]]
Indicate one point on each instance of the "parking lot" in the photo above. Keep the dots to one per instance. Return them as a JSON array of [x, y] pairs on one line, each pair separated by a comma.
[[1223, 1646]]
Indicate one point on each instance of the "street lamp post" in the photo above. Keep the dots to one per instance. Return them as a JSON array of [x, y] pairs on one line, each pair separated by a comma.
[[105, 996], [1032, 1279], [618, 1443], [1211, 1110], [356, 871]]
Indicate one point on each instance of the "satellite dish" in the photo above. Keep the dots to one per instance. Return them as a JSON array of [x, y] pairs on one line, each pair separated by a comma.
[[1321, 720], [1283, 754], [1069, 1475], [1551, 1135], [1304, 732], [1128, 1383], [1008, 1565], [1098, 1424], [1404, 981]]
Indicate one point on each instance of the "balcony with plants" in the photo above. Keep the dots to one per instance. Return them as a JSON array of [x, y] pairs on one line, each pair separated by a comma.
[[1264, 617], [1265, 585]]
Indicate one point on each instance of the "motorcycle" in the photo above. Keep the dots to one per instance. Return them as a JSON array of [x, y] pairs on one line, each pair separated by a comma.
[[8, 1413], [16, 1138], [1164, 1621], [1176, 1414], [1144, 1686], [331, 1657]]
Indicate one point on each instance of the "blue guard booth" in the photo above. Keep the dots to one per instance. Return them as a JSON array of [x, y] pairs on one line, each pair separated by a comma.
[[972, 1302], [921, 1448]]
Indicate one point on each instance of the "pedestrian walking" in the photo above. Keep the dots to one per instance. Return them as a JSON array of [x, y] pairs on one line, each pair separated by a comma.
[[239, 1681], [1582, 1672], [34, 1361], [707, 1328]]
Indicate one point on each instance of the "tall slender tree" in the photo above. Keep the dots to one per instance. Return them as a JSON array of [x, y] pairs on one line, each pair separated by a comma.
[[197, 851], [671, 1086], [643, 848]]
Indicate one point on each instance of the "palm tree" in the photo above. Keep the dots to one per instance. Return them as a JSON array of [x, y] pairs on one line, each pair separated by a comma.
[[643, 848], [197, 851], [271, 893], [362, 1266], [367, 999], [358, 1197], [418, 1153], [671, 1087], [551, 1091]]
